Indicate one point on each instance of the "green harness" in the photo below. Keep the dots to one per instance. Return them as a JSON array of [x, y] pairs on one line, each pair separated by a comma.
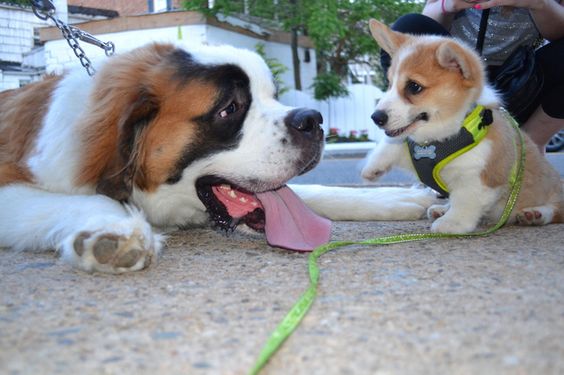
[[430, 158]]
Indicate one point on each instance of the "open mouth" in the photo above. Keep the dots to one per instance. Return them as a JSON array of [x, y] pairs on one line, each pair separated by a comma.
[[423, 116], [278, 213]]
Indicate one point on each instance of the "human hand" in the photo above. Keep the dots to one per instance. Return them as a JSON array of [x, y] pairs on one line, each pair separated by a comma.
[[453, 6], [530, 4]]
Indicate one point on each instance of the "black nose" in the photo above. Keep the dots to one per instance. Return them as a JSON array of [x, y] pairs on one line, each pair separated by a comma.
[[380, 118], [304, 119]]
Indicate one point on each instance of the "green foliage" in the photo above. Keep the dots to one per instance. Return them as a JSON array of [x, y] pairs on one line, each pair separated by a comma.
[[17, 2], [225, 7], [276, 67], [328, 85], [338, 28]]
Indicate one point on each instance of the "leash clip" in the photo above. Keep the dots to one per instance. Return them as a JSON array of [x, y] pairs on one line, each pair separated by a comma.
[[43, 9], [108, 47]]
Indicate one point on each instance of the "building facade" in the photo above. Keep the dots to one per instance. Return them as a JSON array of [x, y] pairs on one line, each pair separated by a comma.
[[40, 48]]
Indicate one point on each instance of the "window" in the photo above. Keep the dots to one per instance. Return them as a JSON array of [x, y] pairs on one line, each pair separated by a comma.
[[156, 6]]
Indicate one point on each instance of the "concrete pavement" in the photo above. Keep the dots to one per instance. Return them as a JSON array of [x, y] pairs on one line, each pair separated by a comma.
[[342, 165], [491, 305]]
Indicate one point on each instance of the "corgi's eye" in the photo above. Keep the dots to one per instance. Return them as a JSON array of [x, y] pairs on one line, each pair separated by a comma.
[[413, 88]]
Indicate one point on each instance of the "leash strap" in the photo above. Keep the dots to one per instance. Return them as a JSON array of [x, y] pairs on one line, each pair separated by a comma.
[[482, 30], [293, 318]]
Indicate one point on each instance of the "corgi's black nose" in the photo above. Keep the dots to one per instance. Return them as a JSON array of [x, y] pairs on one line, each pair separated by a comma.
[[380, 118]]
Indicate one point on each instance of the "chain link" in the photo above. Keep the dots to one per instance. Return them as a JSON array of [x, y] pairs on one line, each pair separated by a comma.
[[45, 10]]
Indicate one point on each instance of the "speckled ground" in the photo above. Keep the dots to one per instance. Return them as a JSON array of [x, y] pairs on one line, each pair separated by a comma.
[[459, 306]]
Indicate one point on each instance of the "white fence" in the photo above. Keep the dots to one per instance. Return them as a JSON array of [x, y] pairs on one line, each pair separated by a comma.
[[351, 113]]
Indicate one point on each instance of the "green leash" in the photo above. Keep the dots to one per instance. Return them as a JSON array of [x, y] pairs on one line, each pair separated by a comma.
[[292, 320]]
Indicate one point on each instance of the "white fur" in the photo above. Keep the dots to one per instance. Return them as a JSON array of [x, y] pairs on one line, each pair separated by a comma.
[[55, 213], [35, 219], [54, 161], [365, 203], [462, 176]]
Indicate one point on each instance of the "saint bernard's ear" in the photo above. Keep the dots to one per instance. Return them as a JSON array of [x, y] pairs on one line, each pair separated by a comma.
[[116, 180], [123, 103]]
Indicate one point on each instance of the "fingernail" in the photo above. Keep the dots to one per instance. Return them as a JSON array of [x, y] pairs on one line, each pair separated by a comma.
[[477, 6]]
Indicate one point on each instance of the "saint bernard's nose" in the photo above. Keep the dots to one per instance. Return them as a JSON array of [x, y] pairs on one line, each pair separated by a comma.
[[304, 120]]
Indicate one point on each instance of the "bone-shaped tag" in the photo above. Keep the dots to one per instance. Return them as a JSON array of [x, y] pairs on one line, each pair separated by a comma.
[[420, 152]]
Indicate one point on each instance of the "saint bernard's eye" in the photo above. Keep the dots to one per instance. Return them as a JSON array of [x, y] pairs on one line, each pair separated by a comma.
[[230, 109]]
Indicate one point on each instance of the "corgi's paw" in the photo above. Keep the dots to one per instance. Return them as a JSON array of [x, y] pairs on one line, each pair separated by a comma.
[[445, 224], [535, 216], [373, 172], [436, 211]]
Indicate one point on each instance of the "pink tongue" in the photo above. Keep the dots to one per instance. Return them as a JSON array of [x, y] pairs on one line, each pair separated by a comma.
[[290, 223]]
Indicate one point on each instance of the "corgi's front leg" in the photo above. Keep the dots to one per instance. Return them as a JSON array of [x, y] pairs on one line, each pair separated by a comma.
[[388, 153], [464, 211]]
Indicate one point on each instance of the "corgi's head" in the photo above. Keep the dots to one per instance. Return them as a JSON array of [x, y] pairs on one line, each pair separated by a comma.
[[433, 83]]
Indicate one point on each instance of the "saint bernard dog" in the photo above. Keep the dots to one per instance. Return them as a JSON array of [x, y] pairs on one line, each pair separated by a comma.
[[160, 138]]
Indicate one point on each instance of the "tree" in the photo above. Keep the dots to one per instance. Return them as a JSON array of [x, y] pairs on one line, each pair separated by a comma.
[[17, 2], [338, 29], [276, 67]]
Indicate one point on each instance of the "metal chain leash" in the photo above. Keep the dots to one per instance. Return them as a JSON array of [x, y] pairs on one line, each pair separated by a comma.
[[44, 10]]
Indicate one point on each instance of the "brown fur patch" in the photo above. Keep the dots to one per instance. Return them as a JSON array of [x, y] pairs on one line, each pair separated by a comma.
[[21, 115], [141, 120], [171, 132], [119, 86]]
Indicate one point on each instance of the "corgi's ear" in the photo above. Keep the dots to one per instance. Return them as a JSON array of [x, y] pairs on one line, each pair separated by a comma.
[[387, 39], [452, 56]]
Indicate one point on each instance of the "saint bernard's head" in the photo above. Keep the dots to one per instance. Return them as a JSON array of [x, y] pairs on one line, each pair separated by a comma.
[[192, 135]]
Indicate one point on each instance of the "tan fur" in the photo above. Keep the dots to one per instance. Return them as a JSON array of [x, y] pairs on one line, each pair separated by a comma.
[[21, 115], [388, 41], [498, 167], [541, 183], [448, 88]]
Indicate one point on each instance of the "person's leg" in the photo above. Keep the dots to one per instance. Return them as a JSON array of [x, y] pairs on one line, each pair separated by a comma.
[[548, 118], [413, 23], [541, 127]]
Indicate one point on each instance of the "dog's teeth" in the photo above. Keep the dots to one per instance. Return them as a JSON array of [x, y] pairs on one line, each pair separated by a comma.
[[243, 200], [232, 194], [254, 204], [225, 187]]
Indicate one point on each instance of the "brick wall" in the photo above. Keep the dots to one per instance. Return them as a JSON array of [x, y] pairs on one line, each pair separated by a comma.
[[124, 7]]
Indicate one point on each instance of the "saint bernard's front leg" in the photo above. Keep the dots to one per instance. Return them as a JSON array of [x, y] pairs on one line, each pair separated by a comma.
[[92, 232]]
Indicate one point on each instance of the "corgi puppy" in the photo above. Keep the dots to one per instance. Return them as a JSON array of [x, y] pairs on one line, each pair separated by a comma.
[[443, 122]]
